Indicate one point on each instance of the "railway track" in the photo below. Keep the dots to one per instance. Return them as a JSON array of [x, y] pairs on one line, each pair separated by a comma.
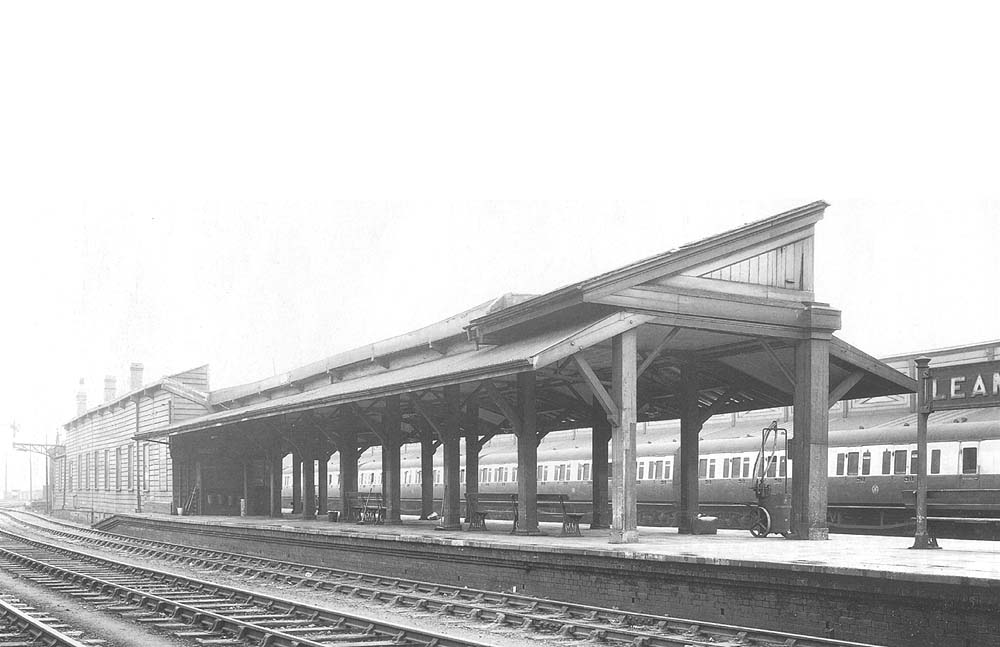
[[203, 611], [546, 617], [22, 625]]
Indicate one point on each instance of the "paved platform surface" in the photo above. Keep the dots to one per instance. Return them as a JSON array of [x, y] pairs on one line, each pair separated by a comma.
[[965, 561]]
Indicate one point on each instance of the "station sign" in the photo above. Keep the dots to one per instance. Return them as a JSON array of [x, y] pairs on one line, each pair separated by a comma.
[[965, 386]]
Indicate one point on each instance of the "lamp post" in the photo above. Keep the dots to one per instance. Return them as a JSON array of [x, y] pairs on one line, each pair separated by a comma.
[[921, 540]]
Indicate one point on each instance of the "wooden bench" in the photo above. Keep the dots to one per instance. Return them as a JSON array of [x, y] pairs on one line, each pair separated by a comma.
[[365, 507], [481, 505]]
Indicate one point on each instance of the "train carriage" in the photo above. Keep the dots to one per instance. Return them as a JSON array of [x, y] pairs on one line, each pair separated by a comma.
[[871, 474]]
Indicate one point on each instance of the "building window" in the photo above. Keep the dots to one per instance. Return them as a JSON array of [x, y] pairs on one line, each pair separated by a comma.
[[107, 471], [118, 469]]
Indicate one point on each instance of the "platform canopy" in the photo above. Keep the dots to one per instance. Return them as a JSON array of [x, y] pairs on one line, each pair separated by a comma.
[[728, 323], [736, 302]]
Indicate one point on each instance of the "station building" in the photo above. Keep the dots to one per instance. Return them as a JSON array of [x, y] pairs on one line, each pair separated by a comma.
[[713, 333], [101, 469]]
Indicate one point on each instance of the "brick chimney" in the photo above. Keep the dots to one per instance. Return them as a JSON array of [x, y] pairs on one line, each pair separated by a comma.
[[109, 388], [81, 400], [135, 377]]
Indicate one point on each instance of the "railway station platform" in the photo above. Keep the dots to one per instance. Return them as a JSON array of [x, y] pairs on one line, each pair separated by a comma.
[[851, 587]]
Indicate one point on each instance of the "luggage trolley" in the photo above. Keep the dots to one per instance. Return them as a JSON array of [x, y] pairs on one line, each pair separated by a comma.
[[771, 513]]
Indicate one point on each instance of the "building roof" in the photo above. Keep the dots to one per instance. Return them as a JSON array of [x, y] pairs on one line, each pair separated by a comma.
[[170, 383]]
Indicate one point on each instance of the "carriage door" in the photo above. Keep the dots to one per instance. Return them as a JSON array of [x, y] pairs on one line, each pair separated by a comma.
[[968, 461]]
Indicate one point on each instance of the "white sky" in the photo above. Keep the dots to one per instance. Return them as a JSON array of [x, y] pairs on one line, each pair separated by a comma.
[[255, 186]]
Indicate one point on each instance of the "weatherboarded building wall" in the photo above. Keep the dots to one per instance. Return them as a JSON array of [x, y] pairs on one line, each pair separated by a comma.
[[104, 471]]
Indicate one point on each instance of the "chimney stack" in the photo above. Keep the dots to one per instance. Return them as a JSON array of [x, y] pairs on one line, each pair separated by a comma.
[[135, 381], [81, 400], [109, 388]]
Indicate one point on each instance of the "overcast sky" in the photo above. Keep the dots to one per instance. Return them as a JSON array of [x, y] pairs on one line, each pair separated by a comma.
[[256, 186]]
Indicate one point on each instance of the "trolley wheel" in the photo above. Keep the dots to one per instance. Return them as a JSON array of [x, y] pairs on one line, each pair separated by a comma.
[[760, 524]]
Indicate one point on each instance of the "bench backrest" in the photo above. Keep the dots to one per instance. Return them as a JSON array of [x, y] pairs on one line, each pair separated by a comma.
[[364, 498]]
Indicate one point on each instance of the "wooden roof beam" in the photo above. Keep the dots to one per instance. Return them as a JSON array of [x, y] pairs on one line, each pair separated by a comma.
[[777, 362], [597, 388], [845, 385], [508, 410], [646, 363]]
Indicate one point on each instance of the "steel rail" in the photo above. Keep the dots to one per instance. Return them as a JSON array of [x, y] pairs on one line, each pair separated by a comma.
[[217, 622], [570, 620], [33, 629]]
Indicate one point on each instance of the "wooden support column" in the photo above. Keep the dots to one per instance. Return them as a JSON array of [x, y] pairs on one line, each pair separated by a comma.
[[309, 486], [451, 519], [471, 455], [275, 461], [426, 472], [527, 456], [392, 432], [599, 438], [809, 449], [296, 483], [323, 500], [691, 421], [348, 449], [623, 496]]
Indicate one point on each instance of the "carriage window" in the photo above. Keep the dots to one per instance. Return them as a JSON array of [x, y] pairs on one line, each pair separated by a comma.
[[899, 461], [969, 460], [913, 462], [725, 469], [840, 464], [866, 463], [656, 470], [886, 462], [513, 474], [611, 469], [560, 472], [666, 469], [736, 467], [584, 472], [852, 463], [545, 472], [935, 461], [702, 468], [461, 475], [772, 466], [641, 474], [746, 467], [782, 466], [711, 468]]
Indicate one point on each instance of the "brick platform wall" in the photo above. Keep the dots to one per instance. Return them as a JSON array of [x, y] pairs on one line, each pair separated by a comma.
[[869, 608]]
